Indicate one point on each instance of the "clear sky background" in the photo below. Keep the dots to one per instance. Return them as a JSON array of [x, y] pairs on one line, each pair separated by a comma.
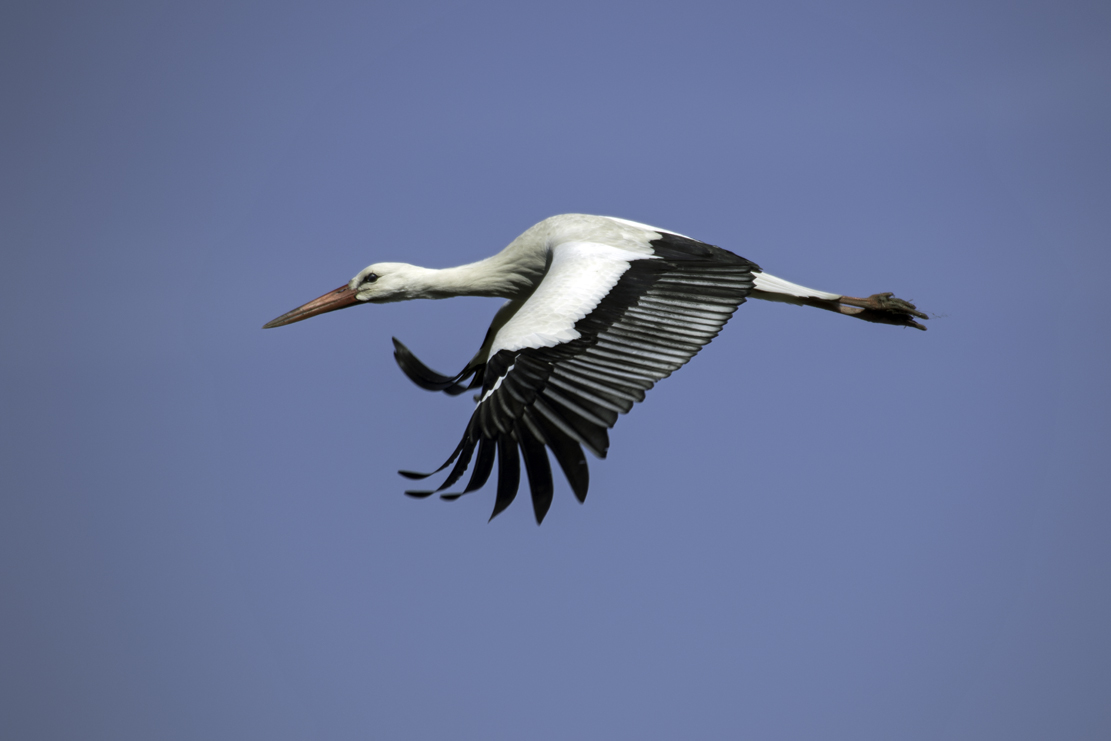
[[820, 528]]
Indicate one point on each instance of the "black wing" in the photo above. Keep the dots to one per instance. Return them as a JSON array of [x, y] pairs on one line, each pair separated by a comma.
[[658, 315]]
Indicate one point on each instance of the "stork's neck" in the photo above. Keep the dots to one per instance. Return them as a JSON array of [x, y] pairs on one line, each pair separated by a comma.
[[499, 276]]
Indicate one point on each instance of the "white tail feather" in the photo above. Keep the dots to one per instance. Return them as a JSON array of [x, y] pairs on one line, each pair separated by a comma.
[[770, 284]]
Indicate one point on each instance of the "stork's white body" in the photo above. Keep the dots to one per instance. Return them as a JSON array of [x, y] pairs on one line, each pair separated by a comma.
[[598, 309]]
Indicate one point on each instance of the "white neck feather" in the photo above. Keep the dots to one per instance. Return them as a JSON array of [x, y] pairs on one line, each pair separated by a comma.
[[512, 274], [476, 279], [505, 275]]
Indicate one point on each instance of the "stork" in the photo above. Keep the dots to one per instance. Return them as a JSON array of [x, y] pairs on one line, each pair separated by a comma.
[[598, 310]]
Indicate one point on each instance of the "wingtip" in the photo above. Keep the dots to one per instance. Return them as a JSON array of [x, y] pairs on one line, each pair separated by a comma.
[[499, 507]]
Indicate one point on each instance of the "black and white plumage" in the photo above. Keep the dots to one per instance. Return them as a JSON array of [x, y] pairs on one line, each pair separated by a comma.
[[599, 309]]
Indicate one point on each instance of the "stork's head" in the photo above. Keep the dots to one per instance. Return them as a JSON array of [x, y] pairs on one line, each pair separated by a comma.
[[379, 283]]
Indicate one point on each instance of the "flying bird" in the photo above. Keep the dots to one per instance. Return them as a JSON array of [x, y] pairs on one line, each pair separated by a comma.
[[598, 310]]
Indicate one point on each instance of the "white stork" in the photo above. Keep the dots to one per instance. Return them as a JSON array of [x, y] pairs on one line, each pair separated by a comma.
[[599, 309]]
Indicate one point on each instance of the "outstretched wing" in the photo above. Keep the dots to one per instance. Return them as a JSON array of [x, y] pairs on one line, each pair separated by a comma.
[[602, 328]]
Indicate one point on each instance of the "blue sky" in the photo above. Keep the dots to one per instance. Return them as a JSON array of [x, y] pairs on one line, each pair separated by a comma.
[[820, 528]]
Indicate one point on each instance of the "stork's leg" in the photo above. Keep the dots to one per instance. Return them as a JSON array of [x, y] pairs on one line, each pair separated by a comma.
[[880, 308], [883, 308]]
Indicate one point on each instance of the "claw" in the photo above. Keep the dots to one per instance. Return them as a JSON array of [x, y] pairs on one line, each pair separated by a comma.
[[883, 308], [888, 302]]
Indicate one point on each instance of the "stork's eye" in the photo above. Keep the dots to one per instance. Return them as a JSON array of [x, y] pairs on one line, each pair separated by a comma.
[[370, 278]]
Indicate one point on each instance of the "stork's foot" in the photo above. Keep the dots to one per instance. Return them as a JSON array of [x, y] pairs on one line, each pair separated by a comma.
[[882, 308]]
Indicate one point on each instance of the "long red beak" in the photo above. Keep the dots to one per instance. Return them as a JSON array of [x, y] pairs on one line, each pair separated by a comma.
[[340, 298]]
